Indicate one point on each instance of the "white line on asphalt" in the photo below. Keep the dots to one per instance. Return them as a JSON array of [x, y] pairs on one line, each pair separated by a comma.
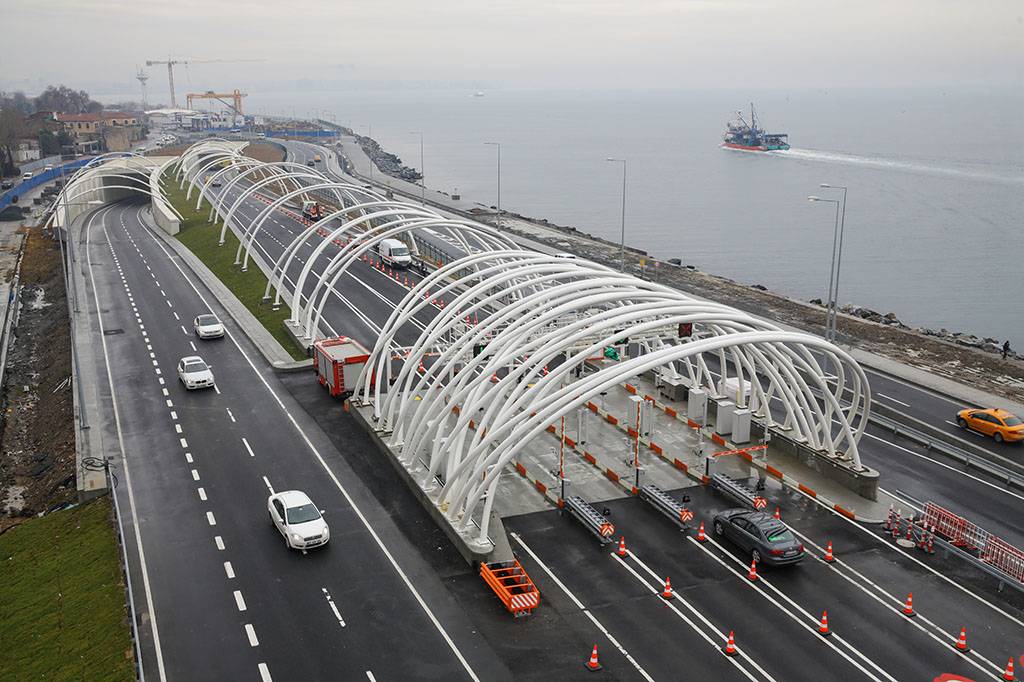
[[334, 608], [370, 677], [800, 621], [239, 602], [249, 449], [264, 673], [184, 443], [229, 570], [177, 428], [899, 402], [581, 607], [266, 481], [188, 457], [184, 331], [209, 518], [176, 316], [155, 363], [193, 346], [251, 634], [202, 494], [169, 304], [161, 380], [691, 608], [195, 475], [157, 370], [220, 542], [951, 468], [152, 355], [124, 461], [334, 479], [231, 415], [216, 390]]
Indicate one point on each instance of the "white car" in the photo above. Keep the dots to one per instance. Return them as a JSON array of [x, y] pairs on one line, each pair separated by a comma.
[[208, 326], [195, 373], [298, 520]]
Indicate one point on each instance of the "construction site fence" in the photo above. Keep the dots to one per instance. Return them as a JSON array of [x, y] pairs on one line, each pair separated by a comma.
[[962, 533], [19, 190]]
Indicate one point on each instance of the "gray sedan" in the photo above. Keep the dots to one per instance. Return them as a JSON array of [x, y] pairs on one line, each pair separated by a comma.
[[765, 538]]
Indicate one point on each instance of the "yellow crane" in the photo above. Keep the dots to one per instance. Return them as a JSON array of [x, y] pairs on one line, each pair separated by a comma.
[[172, 62], [222, 97]]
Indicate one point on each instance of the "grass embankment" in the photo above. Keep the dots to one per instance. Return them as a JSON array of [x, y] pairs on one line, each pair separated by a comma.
[[62, 599], [201, 238]]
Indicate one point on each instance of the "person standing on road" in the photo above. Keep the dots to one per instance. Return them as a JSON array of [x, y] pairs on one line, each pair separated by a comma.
[[1006, 348]]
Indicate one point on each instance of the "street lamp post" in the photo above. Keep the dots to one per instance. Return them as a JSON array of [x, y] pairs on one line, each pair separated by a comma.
[[423, 172], [831, 310], [622, 244], [839, 257]]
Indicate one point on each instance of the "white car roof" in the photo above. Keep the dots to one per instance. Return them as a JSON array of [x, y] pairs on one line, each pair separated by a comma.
[[192, 358], [294, 498]]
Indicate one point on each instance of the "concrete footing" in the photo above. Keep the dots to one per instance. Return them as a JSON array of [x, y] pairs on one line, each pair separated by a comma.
[[863, 482]]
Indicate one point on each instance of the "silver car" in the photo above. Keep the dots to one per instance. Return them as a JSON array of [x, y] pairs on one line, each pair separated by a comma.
[[208, 327], [195, 373]]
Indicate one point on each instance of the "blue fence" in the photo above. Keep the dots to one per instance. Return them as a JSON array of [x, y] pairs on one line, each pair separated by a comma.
[[302, 133], [40, 179]]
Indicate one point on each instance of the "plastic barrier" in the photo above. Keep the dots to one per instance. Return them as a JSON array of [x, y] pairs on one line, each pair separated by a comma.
[[513, 587], [960, 532], [1005, 557]]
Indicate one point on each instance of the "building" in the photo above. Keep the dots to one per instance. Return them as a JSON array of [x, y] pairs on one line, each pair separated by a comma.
[[113, 131], [26, 150]]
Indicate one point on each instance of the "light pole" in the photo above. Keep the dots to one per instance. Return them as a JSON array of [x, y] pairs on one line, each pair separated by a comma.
[[423, 172], [622, 244], [839, 257], [497, 145], [830, 315]]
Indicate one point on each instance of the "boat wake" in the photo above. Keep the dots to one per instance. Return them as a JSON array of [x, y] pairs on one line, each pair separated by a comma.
[[894, 164]]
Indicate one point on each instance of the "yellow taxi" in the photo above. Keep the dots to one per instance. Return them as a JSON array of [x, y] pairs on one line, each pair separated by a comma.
[[1003, 426]]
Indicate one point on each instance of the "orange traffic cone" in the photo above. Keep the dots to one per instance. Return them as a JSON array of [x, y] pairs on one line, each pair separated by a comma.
[[1008, 674], [622, 546], [961, 642], [701, 537], [823, 626], [730, 645], [592, 664], [667, 592], [406, 282], [752, 574], [778, 515], [908, 608], [828, 553]]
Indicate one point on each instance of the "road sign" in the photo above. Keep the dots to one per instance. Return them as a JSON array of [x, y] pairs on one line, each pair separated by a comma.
[[685, 515], [760, 503]]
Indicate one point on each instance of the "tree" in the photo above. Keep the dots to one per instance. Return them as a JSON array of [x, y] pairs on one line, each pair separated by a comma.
[[48, 143], [65, 100], [12, 128], [18, 101]]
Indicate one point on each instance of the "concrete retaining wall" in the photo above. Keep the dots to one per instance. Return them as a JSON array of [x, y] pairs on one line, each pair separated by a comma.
[[864, 483]]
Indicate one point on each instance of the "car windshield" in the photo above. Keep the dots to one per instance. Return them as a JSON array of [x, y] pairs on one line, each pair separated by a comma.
[[206, 320], [195, 366], [306, 512], [1013, 421], [779, 534], [399, 251]]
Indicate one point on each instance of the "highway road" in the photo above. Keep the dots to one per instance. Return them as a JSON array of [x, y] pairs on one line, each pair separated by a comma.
[[388, 599]]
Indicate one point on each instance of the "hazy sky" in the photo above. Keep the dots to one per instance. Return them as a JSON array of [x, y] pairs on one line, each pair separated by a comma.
[[98, 44]]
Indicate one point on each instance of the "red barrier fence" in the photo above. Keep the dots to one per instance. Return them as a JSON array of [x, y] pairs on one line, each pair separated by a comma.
[[966, 535]]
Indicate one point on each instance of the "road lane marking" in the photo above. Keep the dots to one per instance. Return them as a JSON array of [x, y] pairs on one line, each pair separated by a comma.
[[124, 460], [209, 518], [246, 444], [188, 457], [581, 607], [231, 415], [337, 483], [264, 673], [168, 401], [177, 428], [266, 482], [898, 402], [370, 677], [184, 443], [176, 316], [202, 494], [217, 390], [220, 542], [251, 634], [229, 570], [239, 601], [193, 346], [195, 475], [169, 304], [334, 608], [183, 330]]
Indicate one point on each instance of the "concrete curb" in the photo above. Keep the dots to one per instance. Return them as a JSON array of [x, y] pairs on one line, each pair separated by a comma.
[[275, 355]]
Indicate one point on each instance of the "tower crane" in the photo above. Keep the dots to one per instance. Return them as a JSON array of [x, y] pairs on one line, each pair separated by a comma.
[[172, 62], [142, 77]]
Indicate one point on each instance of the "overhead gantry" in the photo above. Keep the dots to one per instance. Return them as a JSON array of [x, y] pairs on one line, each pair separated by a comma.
[[468, 394]]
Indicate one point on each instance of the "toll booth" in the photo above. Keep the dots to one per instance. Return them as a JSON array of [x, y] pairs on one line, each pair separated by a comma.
[[338, 363]]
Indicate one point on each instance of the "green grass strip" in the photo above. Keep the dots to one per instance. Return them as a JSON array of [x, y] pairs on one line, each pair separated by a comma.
[[201, 238], [62, 599]]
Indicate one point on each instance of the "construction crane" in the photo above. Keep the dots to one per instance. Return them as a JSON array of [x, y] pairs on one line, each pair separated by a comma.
[[235, 104], [170, 69]]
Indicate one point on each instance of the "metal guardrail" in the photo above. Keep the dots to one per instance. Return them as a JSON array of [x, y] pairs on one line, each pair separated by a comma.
[[591, 519], [738, 491], [936, 445], [665, 504]]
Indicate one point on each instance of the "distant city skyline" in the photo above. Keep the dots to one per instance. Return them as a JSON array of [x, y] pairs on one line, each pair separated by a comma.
[[592, 44]]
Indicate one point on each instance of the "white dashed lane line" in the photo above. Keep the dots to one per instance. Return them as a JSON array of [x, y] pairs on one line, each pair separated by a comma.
[[246, 444], [264, 673], [195, 475], [210, 518], [202, 494], [334, 607], [266, 481], [219, 542], [251, 634], [230, 416], [239, 601], [229, 570]]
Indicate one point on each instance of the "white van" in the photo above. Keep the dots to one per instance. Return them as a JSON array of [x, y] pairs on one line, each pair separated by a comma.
[[394, 253]]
